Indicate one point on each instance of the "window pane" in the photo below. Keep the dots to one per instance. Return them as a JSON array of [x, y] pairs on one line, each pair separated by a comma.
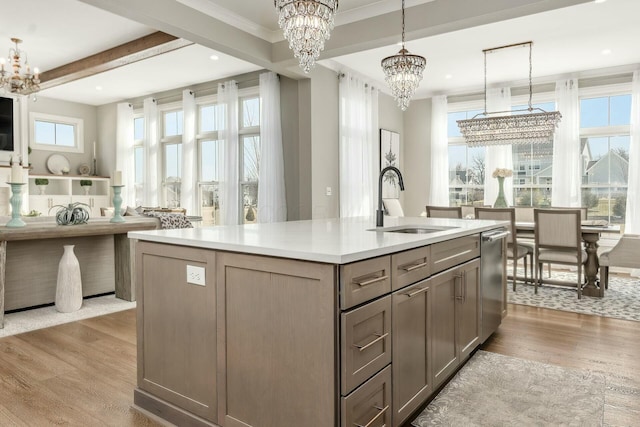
[[210, 207], [251, 158], [620, 110], [250, 203], [211, 117], [251, 112], [173, 160], [45, 132], [211, 156], [65, 135], [605, 179], [594, 112], [452, 125], [138, 128], [173, 123]]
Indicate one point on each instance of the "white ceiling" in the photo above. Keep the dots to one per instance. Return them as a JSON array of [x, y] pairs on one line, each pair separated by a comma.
[[568, 40]]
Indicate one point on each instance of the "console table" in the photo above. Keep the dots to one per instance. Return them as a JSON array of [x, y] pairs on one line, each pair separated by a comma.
[[29, 258]]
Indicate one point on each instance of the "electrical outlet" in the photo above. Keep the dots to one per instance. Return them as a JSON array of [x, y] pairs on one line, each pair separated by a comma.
[[328, 191], [195, 275]]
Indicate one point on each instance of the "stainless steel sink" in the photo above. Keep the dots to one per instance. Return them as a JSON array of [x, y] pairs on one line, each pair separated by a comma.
[[413, 229]]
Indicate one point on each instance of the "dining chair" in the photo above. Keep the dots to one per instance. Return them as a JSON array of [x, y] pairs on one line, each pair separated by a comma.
[[584, 212], [558, 240], [392, 207], [444, 211], [623, 254], [515, 251]]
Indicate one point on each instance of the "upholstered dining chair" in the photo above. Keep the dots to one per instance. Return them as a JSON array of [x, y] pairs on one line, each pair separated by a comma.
[[444, 211], [624, 254], [514, 250], [558, 240], [392, 207]]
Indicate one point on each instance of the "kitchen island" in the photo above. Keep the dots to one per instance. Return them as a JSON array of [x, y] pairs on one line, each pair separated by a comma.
[[306, 323]]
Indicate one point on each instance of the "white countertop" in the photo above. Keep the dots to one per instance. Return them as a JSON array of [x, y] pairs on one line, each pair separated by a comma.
[[335, 241]]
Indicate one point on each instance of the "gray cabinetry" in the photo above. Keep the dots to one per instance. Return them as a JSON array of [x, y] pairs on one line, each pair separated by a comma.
[[456, 314], [412, 376]]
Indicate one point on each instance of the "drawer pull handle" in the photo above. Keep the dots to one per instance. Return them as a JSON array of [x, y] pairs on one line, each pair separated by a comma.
[[419, 291], [380, 412], [454, 256], [366, 346], [372, 281], [458, 276], [415, 266]]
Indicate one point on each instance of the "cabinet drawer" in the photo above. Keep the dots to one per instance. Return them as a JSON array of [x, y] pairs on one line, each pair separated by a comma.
[[364, 280], [453, 252], [366, 342], [369, 405], [410, 266]]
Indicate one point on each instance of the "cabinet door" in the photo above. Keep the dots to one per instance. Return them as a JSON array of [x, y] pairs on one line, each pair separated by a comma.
[[177, 352], [94, 203], [45, 204], [468, 309], [411, 349], [444, 289]]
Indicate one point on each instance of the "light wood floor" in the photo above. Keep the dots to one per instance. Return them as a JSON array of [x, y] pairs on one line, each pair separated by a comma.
[[84, 373]]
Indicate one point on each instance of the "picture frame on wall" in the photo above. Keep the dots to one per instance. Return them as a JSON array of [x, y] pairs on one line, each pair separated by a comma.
[[389, 156]]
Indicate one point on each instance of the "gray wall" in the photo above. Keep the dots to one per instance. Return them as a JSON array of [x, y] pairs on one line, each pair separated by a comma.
[[290, 145], [87, 113], [417, 157], [106, 157]]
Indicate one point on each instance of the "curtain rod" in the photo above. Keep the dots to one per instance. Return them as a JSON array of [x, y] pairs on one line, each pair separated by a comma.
[[341, 75]]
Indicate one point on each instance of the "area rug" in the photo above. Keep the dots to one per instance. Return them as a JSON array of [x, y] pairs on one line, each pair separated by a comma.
[[496, 390], [29, 320], [621, 300]]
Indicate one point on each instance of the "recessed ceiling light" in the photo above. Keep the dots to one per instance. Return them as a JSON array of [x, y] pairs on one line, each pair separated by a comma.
[[606, 51], [600, 1], [214, 57], [98, 87], [448, 76]]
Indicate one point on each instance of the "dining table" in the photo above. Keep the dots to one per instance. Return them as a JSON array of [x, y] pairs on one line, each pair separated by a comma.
[[591, 232]]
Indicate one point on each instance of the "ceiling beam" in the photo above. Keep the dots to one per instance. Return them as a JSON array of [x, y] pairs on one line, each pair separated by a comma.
[[136, 50]]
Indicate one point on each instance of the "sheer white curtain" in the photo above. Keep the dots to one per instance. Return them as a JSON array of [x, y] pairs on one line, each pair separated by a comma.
[[498, 156], [567, 170], [439, 183], [228, 134], [272, 204], [124, 151], [359, 158], [189, 178], [632, 218], [151, 147]]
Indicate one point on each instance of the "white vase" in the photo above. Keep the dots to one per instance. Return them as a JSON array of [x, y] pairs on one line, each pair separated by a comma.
[[69, 285], [42, 189], [86, 189]]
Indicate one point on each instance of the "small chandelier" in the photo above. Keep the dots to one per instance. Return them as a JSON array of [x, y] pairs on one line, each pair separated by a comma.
[[14, 81], [403, 72], [306, 25], [535, 126]]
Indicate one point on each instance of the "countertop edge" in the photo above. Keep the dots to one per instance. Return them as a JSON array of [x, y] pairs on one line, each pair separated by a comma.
[[317, 256]]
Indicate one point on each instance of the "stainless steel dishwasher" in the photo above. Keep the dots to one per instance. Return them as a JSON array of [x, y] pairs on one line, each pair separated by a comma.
[[492, 279]]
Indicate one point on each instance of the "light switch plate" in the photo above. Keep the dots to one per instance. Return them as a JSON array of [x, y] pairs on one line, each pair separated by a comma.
[[195, 275]]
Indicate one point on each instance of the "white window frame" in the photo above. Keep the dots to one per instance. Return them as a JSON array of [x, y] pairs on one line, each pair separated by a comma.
[[77, 123]]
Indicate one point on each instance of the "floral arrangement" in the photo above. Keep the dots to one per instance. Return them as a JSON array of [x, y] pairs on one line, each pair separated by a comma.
[[502, 173]]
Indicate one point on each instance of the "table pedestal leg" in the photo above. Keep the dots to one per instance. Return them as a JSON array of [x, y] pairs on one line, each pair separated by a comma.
[[592, 287]]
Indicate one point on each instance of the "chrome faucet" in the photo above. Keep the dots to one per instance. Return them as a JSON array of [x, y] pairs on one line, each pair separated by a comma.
[[380, 211]]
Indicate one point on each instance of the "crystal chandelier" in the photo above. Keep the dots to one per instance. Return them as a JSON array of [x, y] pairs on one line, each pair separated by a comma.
[[14, 80], [403, 72], [526, 126], [306, 25]]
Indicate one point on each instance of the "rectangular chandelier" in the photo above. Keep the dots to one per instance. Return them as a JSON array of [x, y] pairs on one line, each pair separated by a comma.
[[533, 127]]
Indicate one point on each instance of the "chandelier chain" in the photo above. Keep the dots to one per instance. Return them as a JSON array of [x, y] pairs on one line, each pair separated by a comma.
[[403, 24]]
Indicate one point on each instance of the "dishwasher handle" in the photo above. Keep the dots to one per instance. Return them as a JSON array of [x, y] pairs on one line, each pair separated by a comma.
[[492, 237]]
